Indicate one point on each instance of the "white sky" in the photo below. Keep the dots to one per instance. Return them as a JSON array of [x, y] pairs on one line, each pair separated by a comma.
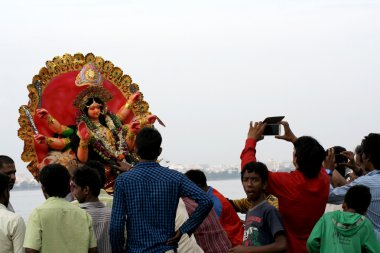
[[209, 67]]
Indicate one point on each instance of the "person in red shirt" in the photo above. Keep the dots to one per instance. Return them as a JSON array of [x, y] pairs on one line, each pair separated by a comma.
[[302, 194], [226, 213]]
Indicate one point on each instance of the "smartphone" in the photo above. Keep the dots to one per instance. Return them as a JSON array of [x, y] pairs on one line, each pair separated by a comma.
[[339, 158], [273, 127]]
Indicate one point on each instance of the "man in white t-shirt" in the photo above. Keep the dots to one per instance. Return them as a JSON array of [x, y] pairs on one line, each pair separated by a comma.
[[12, 226], [7, 166]]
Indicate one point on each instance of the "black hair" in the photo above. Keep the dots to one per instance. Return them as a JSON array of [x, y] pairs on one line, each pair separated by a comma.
[[358, 197], [4, 182], [100, 169], [148, 143], [359, 152], [371, 148], [339, 159], [87, 176], [310, 155], [56, 180], [198, 177], [5, 160], [257, 167]]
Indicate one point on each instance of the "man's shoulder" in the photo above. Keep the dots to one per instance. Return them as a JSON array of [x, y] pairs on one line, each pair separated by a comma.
[[370, 177], [97, 210], [9, 216], [58, 204], [146, 169]]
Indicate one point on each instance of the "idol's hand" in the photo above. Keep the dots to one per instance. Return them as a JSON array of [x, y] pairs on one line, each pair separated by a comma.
[[39, 138], [83, 132], [151, 119], [42, 113], [135, 127], [134, 98]]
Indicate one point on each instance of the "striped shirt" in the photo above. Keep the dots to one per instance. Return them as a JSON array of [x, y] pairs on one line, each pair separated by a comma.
[[101, 217], [210, 235], [186, 244], [372, 181], [148, 195]]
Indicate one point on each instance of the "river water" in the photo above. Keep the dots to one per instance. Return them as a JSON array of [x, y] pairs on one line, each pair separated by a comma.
[[26, 200]]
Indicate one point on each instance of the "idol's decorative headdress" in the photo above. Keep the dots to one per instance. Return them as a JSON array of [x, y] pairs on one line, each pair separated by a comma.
[[91, 92], [90, 75]]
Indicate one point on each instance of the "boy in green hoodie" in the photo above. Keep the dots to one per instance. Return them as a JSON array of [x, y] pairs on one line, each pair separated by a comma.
[[347, 231]]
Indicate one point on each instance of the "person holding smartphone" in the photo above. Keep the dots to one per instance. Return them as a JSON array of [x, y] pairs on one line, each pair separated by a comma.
[[302, 194]]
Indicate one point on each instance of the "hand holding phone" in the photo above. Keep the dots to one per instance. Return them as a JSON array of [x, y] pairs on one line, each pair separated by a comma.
[[288, 135], [273, 125], [256, 131]]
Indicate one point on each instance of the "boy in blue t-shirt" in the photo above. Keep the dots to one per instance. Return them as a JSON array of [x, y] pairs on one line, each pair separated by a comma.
[[263, 230]]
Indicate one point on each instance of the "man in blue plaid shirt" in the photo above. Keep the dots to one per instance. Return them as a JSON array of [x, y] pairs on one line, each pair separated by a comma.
[[146, 200]]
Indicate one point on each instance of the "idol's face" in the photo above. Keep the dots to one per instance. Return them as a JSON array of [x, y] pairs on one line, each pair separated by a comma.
[[94, 111]]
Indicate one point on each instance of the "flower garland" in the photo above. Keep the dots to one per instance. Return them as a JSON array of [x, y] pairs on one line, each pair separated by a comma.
[[100, 143]]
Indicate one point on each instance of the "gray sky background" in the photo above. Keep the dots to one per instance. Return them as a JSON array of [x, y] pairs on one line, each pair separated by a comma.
[[209, 67]]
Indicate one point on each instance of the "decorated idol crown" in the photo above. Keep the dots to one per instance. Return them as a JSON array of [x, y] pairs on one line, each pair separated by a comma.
[[90, 75]]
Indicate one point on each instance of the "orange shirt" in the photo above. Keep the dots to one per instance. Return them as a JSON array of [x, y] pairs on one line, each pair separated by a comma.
[[229, 219]]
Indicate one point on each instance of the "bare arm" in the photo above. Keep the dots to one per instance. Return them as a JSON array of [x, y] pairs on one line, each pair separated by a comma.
[[54, 143], [52, 123], [329, 163], [125, 111], [84, 136], [278, 245]]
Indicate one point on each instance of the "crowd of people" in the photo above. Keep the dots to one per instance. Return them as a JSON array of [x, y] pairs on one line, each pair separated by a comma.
[[157, 209]]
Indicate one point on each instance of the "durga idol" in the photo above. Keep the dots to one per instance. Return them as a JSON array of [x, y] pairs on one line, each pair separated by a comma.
[[99, 134]]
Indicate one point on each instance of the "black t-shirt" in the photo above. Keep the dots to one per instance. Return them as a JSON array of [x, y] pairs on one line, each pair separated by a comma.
[[261, 225]]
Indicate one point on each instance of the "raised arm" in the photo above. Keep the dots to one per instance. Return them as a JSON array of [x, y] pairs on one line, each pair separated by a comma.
[[52, 123], [255, 134], [336, 179], [85, 137], [53, 143], [125, 112]]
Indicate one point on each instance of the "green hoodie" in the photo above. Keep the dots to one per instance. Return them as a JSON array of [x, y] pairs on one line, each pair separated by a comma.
[[343, 232]]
